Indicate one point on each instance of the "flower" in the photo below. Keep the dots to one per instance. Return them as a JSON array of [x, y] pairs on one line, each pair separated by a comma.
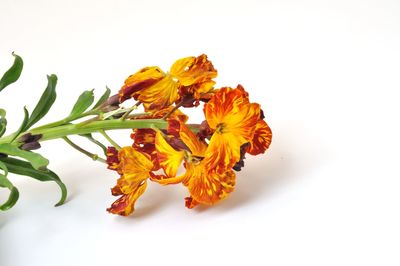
[[233, 127], [233, 119], [143, 138], [205, 186], [188, 80], [134, 168]]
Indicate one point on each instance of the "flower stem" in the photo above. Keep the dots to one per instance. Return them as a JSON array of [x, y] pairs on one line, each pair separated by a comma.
[[93, 156], [105, 135]]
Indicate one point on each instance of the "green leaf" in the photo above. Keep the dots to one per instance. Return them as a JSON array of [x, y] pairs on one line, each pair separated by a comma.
[[13, 73], [103, 98], [84, 101], [20, 167], [37, 161], [4, 182], [46, 101], [23, 125], [3, 122]]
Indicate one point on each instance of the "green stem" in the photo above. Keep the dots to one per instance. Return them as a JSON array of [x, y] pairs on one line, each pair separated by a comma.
[[107, 137], [96, 126], [93, 156], [66, 120]]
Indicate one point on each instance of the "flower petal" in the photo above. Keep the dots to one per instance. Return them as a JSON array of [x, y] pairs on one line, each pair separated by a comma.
[[261, 140], [140, 80], [125, 205], [193, 70], [223, 152], [164, 180], [160, 95], [169, 158], [209, 187], [135, 166], [181, 130]]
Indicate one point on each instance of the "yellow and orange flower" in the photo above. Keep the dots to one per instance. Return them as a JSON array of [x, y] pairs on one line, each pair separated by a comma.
[[143, 138], [233, 119], [205, 187], [134, 168], [233, 126], [189, 79]]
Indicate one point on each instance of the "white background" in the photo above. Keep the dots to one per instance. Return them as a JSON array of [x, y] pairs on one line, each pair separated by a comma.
[[327, 76]]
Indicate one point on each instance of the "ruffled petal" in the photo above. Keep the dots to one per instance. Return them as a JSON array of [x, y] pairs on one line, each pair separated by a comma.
[[223, 152], [208, 187], [135, 166], [160, 95], [261, 140], [193, 70], [139, 81], [112, 158], [125, 205]]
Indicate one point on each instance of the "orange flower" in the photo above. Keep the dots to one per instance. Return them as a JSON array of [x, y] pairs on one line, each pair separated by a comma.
[[195, 76], [143, 138], [134, 168], [233, 119], [205, 187], [189, 78]]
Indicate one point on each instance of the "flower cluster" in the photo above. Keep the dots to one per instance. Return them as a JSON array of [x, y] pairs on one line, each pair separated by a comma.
[[208, 153]]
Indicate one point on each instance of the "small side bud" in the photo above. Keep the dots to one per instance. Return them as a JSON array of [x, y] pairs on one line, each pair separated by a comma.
[[113, 100], [30, 146], [25, 138]]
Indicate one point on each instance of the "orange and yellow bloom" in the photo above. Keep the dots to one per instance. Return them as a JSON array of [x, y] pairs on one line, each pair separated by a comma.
[[207, 154], [188, 80], [134, 168]]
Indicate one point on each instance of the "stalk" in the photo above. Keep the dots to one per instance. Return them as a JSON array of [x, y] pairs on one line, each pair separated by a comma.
[[92, 127]]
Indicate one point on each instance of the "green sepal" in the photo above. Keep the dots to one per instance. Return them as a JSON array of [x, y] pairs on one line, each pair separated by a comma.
[[37, 161], [20, 167], [3, 122], [45, 102], [103, 98], [13, 73], [4, 182], [84, 101]]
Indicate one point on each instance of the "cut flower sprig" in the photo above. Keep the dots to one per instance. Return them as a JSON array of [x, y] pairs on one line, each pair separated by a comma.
[[162, 141]]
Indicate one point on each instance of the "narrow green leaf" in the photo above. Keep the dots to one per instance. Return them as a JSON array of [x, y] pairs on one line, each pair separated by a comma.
[[103, 98], [37, 161], [3, 122], [4, 182], [84, 101], [20, 167], [45, 102], [23, 125], [13, 73]]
